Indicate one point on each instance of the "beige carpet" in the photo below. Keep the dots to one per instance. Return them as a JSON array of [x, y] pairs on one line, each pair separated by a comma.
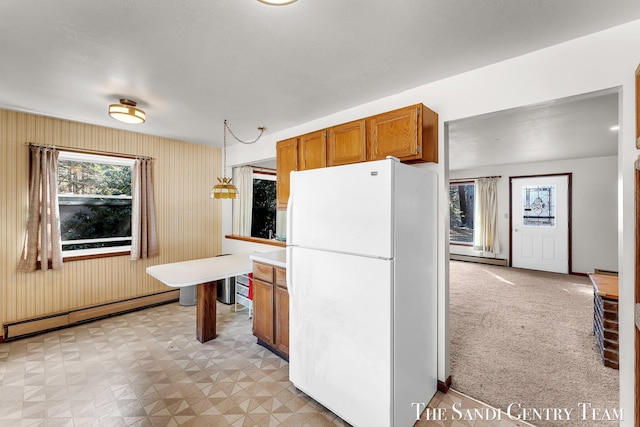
[[525, 337]]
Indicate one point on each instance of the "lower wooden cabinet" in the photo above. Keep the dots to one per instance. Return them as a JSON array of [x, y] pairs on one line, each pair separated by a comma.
[[281, 316], [271, 308], [263, 311]]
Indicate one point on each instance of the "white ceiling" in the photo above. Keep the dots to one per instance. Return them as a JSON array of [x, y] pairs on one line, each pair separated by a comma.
[[570, 128], [192, 63]]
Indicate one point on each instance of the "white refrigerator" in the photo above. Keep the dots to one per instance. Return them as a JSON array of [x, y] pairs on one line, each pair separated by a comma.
[[361, 275]]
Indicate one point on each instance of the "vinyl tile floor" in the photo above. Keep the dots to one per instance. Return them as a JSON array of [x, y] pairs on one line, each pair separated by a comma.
[[146, 368]]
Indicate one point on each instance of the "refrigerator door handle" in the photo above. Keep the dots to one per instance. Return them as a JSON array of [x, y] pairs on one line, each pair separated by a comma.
[[289, 236], [289, 275], [289, 239]]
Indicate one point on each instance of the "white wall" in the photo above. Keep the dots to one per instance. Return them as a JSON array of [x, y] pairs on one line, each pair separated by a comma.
[[599, 61], [595, 208]]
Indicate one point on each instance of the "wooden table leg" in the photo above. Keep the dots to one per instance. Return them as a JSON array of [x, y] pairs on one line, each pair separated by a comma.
[[206, 311]]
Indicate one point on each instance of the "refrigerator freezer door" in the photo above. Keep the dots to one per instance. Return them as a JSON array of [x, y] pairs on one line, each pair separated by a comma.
[[344, 209], [340, 334]]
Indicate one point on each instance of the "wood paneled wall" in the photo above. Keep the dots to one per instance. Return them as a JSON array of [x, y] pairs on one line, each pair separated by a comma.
[[189, 223]]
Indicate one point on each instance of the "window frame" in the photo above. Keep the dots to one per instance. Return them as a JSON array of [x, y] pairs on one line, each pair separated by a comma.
[[81, 254], [266, 176]]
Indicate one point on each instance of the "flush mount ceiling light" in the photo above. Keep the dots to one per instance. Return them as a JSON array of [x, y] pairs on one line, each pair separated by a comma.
[[224, 189], [127, 112], [277, 2]]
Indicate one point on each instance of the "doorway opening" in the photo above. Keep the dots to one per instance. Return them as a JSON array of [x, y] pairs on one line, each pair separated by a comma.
[[569, 139]]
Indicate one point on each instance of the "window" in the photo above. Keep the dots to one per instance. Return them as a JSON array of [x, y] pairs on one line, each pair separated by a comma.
[[263, 212], [461, 196], [539, 206], [94, 197]]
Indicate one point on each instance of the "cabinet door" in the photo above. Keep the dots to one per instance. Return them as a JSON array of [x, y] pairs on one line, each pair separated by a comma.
[[394, 134], [347, 143], [286, 161], [263, 311], [282, 320], [312, 150]]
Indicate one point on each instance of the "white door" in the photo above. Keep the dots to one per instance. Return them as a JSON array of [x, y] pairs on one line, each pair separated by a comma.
[[540, 223]]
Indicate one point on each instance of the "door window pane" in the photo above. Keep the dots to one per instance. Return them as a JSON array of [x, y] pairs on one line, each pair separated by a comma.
[[539, 206]]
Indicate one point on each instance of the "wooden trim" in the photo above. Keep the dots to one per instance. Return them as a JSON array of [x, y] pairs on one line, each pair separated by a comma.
[[444, 386], [94, 256], [256, 240], [569, 176], [83, 257], [62, 320]]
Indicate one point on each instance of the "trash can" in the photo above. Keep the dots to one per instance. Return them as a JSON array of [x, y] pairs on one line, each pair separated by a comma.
[[188, 295], [227, 290]]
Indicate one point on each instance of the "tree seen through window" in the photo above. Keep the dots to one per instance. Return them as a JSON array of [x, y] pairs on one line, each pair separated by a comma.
[[94, 198], [461, 197]]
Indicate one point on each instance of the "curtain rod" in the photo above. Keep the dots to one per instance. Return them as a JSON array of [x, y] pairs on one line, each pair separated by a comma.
[[261, 169], [473, 179], [86, 151]]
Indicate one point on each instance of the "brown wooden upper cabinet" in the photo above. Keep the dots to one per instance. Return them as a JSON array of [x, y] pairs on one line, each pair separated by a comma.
[[347, 143], [410, 134], [312, 150], [286, 161]]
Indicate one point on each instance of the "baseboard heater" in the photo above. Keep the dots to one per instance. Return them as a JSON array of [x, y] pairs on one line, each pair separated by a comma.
[[38, 325], [481, 260]]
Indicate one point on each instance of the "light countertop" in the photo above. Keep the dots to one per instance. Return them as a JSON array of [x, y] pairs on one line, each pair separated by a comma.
[[194, 272], [277, 258]]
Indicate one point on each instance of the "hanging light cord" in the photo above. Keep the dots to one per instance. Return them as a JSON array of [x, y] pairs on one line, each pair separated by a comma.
[[226, 126]]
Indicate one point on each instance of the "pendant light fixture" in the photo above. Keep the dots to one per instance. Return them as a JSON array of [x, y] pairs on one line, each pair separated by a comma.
[[277, 2], [224, 189], [127, 112]]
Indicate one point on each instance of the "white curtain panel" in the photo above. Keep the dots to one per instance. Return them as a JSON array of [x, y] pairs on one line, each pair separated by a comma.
[[43, 241], [243, 203], [144, 237], [485, 227]]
